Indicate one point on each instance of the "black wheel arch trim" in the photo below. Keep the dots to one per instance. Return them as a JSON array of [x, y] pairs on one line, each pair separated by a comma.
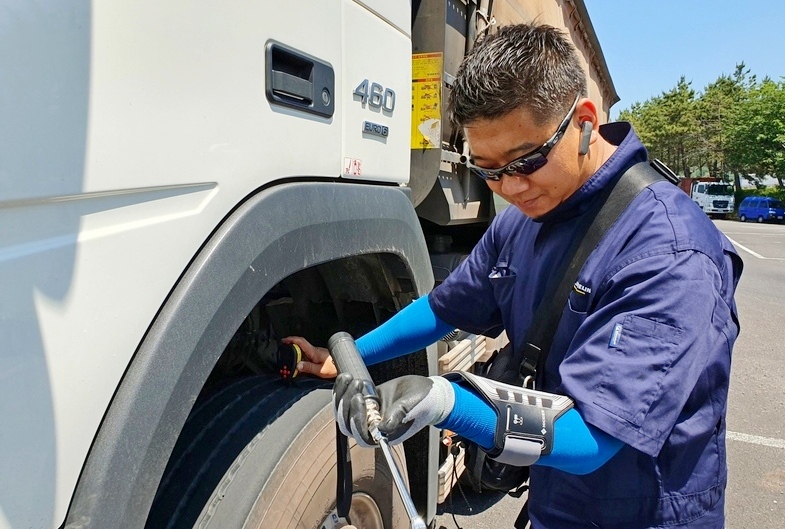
[[273, 234]]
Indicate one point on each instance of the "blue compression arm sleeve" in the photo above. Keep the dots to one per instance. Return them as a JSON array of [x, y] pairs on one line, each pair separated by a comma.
[[411, 329], [579, 448]]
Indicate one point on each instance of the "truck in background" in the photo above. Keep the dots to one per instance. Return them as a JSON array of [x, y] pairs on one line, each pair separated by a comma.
[[712, 195], [184, 184]]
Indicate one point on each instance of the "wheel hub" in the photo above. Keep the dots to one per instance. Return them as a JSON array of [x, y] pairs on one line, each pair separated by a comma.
[[364, 514]]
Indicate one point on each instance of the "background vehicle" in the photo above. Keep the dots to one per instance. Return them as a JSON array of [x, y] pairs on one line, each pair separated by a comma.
[[712, 196], [182, 184], [761, 209]]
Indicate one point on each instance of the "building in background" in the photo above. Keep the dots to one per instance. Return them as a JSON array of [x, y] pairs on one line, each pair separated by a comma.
[[573, 17]]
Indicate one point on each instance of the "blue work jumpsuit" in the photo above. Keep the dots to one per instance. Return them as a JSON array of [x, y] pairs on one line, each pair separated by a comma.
[[643, 346]]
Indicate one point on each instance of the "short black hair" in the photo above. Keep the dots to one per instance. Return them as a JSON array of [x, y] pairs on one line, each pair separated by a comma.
[[531, 66]]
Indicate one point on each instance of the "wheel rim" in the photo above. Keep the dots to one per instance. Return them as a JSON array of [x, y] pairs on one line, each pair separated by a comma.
[[364, 513], [309, 507]]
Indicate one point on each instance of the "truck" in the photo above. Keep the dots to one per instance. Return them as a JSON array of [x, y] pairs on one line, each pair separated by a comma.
[[710, 194], [183, 184]]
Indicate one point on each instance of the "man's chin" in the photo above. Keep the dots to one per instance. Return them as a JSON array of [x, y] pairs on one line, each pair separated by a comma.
[[533, 208]]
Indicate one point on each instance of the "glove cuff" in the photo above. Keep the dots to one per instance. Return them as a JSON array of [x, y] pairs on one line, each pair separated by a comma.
[[443, 399]]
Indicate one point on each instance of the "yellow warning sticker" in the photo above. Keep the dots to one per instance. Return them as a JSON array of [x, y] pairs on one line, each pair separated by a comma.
[[426, 100]]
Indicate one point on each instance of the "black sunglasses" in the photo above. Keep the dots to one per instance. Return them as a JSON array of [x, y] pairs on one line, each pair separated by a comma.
[[529, 162]]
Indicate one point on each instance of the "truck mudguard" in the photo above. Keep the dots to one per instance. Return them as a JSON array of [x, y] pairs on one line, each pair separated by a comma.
[[274, 233]]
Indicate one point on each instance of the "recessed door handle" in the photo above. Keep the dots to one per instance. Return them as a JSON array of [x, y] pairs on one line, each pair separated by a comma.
[[298, 80]]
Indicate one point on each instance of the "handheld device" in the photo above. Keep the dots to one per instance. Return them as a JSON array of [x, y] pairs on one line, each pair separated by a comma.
[[348, 360]]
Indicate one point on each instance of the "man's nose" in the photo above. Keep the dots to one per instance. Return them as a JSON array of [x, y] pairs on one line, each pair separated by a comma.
[[512, 185]]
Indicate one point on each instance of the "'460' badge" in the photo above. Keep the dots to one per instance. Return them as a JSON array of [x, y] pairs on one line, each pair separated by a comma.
[[375, 95]]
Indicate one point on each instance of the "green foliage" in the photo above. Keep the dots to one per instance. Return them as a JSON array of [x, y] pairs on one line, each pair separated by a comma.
[[773, 192], [734, 129]]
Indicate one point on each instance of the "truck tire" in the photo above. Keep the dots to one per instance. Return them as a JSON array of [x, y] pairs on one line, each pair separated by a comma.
[[261, 454]]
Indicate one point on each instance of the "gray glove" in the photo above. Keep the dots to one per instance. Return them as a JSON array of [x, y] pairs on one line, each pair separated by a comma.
[[408, 404]]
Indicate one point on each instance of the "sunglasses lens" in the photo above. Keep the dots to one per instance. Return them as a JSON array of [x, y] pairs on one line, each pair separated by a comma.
[[524, 166], [485, 175], [528, 165]]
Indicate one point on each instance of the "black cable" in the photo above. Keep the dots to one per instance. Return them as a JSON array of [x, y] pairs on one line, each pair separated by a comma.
[[454, 452]]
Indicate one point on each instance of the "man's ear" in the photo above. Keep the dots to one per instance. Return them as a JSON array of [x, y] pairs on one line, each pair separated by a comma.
[[587, 116]]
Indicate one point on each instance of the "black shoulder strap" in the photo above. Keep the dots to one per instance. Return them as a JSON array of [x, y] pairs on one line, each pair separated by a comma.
[[605, 214]]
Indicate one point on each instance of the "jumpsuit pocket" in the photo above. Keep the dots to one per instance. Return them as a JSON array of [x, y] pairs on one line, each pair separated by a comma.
[[570, 321], [573, 316], [502, 279], [641, 351]]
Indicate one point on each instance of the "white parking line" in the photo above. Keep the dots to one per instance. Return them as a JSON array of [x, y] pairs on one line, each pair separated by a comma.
[[757, 233], [756, 439], [756, 254]]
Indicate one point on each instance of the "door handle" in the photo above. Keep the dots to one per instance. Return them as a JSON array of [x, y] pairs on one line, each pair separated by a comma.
[[298, 80], [288, 85]]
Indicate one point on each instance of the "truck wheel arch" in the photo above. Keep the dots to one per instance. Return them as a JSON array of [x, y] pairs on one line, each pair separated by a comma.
[[272, 234]]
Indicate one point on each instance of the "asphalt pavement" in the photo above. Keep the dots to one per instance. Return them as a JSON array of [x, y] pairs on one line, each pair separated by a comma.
[[756, 409]]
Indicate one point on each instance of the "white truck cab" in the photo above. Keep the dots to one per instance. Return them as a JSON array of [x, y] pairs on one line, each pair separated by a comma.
[[714, 198]]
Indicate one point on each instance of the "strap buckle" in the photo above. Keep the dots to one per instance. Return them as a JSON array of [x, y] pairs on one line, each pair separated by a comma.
[[531, 355]]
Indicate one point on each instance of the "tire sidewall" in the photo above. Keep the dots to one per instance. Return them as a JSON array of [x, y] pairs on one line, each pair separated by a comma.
[[301, 442]]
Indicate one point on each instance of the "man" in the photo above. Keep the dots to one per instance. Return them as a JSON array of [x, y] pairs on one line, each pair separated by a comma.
[[640, 361]]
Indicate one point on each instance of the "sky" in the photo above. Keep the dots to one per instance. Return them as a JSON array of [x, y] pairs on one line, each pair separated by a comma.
[[649, 44]]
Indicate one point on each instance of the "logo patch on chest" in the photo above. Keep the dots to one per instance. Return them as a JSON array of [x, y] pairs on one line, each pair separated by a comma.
[[581, 289]]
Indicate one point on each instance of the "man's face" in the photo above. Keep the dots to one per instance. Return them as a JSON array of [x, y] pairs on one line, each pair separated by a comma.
[[496, 142]]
